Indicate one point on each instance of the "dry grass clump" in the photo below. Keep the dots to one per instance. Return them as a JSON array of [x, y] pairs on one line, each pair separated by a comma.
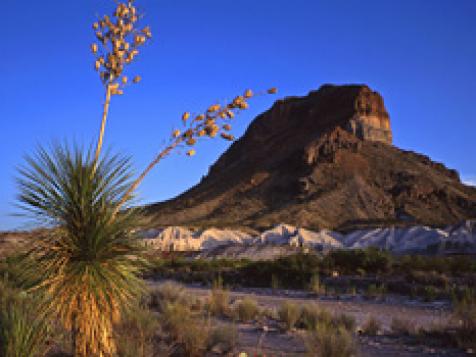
[[465, 314], [168, 292], [223, 338], [328, 341], [312, 316], [188, 331], [136, 333], [371, 327], [289, 313], [247, 309], [23, 330], [219, 301]]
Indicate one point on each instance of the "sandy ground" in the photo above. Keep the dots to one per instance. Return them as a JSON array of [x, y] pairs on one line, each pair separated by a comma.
[[253, 340]]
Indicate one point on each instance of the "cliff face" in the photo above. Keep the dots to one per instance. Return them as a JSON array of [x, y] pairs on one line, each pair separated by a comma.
[[324, 160]]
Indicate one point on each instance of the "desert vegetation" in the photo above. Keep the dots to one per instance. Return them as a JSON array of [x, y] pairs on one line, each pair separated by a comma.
[[376, 273], [84, 270]]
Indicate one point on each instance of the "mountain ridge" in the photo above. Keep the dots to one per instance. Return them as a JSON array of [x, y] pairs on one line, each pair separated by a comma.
[[324, 160]]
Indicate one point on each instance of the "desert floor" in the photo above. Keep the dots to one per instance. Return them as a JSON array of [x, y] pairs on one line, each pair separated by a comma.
[[275, 342]]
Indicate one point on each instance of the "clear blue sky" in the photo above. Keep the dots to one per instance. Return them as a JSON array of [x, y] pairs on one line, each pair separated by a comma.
[[419, 54]]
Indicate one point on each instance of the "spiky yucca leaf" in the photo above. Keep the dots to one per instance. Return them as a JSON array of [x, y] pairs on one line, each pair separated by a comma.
[[87, 265]]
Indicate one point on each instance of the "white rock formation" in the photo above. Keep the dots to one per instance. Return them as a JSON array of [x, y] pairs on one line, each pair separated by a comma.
[[398, 240]]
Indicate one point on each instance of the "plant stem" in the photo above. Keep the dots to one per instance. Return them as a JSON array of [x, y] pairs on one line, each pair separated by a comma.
[[103, 127], [141, 177]]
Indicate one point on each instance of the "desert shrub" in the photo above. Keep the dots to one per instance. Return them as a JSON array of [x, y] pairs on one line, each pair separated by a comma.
[[344, 320], [175, 318], [315, 285], [465, 313], [375, 291], [430, 293], [23, 330], [370, 260], [219, 300], [274, 282], [185, 329], [312, 315], [371, 327], [328, 341], [247, 309], [136, 333], [289, 313], [294, 271], [195, 338], [168, 292], [401, 327], [224, 336]]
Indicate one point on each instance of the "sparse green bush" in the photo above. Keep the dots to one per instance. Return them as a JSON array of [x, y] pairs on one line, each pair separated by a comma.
[[289, 313], [328, 341], [247, 309], [371, 327]]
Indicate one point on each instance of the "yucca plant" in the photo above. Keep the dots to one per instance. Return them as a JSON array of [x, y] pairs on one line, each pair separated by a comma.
[[87, 266]]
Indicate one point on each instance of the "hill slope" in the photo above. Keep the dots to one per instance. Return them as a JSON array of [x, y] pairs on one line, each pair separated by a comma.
[[324, 160]]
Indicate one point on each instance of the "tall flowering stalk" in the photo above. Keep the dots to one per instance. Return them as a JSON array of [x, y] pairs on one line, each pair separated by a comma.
[[87, 266]]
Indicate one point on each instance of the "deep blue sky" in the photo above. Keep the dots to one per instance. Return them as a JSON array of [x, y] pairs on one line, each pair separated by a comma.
[[420, 55]]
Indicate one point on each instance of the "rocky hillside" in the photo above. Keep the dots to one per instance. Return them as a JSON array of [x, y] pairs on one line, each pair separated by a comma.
[[324, 160]]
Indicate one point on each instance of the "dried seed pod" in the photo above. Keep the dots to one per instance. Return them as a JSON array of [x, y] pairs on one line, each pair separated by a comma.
[[176, 133], [222, 114], [213, 108], [97, 65], [199, 117], [191, 141], [227, 136], [236, 102], [273, 90], [124, 80], [191, 152], [243, 105], [248, 93], [94, 48], [227, 127], [185, 116], [188, 133], [201, 132], [230, 114], [95, 26], [146, 31], [136, 79]]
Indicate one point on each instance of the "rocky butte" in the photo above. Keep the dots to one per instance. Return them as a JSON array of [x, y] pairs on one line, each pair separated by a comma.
[[321, 161]]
